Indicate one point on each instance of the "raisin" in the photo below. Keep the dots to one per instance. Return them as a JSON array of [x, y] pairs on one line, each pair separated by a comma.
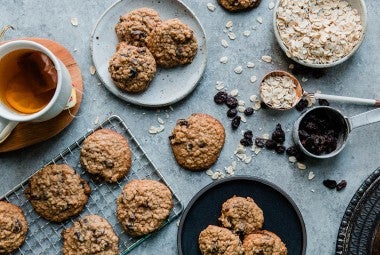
[[280, 149], [302, 104], [108, 163], [172, 137], [231, 102], [16, 226], [133, 73], [341, 185], [270, 144], [189, 146], [246, 142], [232, 113], [248, 111], [295, 152], [323, 102], [260, 142], [263, 105], [331, 184], [183, 122], [235, 122], [248, 134], [220, 97], [278, 135]]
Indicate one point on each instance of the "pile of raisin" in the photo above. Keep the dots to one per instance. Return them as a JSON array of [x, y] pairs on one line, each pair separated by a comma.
[[276, 141], [247, 138], [319, 133], [332, 184]]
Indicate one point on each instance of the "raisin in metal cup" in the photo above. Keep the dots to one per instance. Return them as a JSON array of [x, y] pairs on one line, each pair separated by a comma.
[[343, 125]]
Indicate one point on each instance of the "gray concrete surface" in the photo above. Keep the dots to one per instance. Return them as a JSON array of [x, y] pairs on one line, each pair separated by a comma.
[[322, 210]]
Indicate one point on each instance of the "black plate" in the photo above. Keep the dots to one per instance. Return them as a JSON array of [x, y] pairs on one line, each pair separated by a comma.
[[357, 229], [281, 214]]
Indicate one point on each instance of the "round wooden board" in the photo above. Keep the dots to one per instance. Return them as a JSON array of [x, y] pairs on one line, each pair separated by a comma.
[[28, 133]]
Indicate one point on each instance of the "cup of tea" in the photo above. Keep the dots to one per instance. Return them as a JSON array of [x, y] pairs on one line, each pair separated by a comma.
[[34, 84]]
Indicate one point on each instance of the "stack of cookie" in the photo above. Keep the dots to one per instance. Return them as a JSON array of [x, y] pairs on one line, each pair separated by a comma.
[[241, 219], [146, 41]]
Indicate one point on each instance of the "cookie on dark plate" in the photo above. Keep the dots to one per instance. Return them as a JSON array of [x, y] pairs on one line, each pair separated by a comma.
[[264, 242], [238, 5]]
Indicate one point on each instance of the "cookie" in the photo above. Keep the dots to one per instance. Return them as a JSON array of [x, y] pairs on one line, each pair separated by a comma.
[[90, 235], [238, 5], [219, 241], [172, 43], [264, 242], [13, 227], [106, 155], [135, 27], [132, 68], [241, 215], [143, 206], [197, 141], [57, 193]]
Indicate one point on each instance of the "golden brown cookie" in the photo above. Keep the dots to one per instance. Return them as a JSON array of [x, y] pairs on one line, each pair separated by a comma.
[[106, 155], [238, 5], [197, 141], [241, 215], [13, 227], [173, 43], [57, 193], [132, 68], [143, 206], [90, 235], [219, 241], [264, 243], [135, 27]]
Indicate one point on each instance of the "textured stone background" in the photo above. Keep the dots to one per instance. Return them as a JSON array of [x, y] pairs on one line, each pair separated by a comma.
[[322, 210]]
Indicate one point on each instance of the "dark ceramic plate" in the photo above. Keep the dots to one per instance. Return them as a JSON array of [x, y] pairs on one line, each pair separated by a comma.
[[362, 217], [280, 212]]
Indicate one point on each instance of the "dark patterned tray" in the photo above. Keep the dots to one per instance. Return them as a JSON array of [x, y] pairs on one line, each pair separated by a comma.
[[359, 222]]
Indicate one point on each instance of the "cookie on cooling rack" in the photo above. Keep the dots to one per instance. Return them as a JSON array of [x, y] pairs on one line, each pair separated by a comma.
[[132, 68], [173, 43], [13, 227], [57, 193], [264, 242], [90, 235], [238, 5], [197, 141], [216, 240], [242, 215], [143, 206], [135, 27], [106, 155]]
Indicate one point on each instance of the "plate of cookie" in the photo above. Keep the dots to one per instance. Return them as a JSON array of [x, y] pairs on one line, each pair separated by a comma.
[[241, 213], [149, 52]]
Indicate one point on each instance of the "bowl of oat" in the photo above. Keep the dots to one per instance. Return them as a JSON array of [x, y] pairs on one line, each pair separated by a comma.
[[318, 33]]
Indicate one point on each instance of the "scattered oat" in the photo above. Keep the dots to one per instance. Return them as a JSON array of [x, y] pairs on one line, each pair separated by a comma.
[[253, 78], [229, 24], [267, 59], [253, 98], [292, 159], [232, 36], [215, 175], [211, 7], [209, 172], [312, 190], [241, 102], [304, 79], [266, 136], [291, 66], [247, 33], [250, 65], [223, 60], [161, 121], [259, 19], [241, 108], [219, 85], [257, 105], [171, 108], [238, 69], [311, 175], [243, 119], [234, 92], [248, 159], [271, 5], [74, 22], [301, 166], [92, 70], [224, 43], [96, 122], [155, 130]]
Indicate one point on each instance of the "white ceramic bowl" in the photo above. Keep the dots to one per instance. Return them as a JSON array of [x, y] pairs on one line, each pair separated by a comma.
[[359, 5]]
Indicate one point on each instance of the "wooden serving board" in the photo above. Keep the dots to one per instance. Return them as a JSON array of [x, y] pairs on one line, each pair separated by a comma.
[[28, 133]]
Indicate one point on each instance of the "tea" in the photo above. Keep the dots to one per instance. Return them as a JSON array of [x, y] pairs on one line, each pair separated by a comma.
[[28, 80]]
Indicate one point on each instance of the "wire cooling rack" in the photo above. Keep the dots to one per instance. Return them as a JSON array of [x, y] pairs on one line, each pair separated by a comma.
[[44, 237]]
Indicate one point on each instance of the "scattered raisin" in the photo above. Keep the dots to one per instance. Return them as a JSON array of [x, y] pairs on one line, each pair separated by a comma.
[[260, 142], [248, 111], [278, 135], [331, 184], [295, 152], [231, 102], [263, 105], [248, 134], [341, 185], [270, 144], [280, 149], [323, 102], [232, 113], [246, 142], [302, 104], [235, 122], [220, 97]]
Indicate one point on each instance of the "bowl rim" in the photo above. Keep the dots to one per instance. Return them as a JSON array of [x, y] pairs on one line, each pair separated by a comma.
[[363, 17]]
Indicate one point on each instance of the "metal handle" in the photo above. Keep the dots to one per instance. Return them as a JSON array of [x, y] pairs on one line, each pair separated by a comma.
[[364, 118], [352, 100], [6, 127]]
